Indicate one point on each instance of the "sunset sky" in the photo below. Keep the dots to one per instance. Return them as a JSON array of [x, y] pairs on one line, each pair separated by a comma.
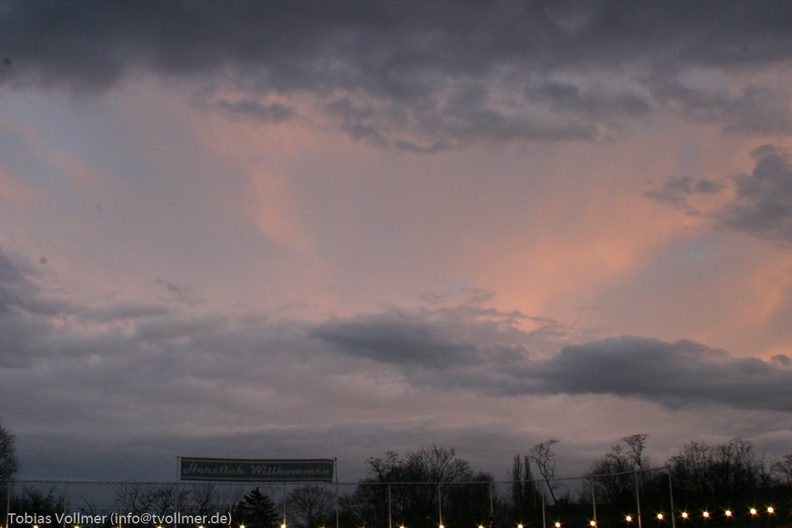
[[332, 229]]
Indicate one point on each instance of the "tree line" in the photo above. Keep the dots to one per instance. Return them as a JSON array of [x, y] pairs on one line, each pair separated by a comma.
[[433, 486]]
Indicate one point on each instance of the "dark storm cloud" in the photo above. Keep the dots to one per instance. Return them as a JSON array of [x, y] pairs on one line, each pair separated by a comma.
[[464, 344], [752, 110], [384, 46], [269, 113], [395, 340], [33, 320], [25, 312], [782, 359], [427, 74], [19, 293], [675, 374], [761, 206], [566, 97], [678, 191], [14, 285]]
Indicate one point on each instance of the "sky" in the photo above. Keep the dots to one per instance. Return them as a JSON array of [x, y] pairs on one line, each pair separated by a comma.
[[334, 229]]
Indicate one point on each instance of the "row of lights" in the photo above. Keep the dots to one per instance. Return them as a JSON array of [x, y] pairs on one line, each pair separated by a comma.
[[160, 526], [628, 518], [707, 515], [660, 516]]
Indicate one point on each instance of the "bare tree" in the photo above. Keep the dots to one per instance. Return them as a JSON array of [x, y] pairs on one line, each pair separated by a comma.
[[637, 444], [545, 459], [8, 464], [613, 474], [205, 499], [436, 464], [703, 471], [525, 496], [36, 500], [310, 506], [8, 459], [162, 499], [783, 468], [416, 484]]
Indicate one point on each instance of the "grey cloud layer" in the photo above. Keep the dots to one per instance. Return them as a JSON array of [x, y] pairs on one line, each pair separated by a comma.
[[151, 380], [481, 349], [419, 76], [463, 346]]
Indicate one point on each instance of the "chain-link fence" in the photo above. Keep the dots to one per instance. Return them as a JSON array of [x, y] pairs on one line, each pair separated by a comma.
[[618, 500]]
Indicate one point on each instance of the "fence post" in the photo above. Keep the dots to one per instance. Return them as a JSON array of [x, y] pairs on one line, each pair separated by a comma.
[[440, 503], [65, 502], [284, 506], [671, 499], [492, 509], [337, 503]]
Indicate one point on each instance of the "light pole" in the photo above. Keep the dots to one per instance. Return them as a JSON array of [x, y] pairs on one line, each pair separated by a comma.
[[637, 498]]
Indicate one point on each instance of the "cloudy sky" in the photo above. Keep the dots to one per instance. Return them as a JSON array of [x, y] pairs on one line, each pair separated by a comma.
[[332, 229]]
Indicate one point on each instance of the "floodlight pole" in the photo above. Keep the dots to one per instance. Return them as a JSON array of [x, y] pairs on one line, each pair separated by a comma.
[[593, 501], [8, 502], [284, 505], [492, 510], [337, 506], [337, 503], [637, 497], [440, 502], [66, 495]]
